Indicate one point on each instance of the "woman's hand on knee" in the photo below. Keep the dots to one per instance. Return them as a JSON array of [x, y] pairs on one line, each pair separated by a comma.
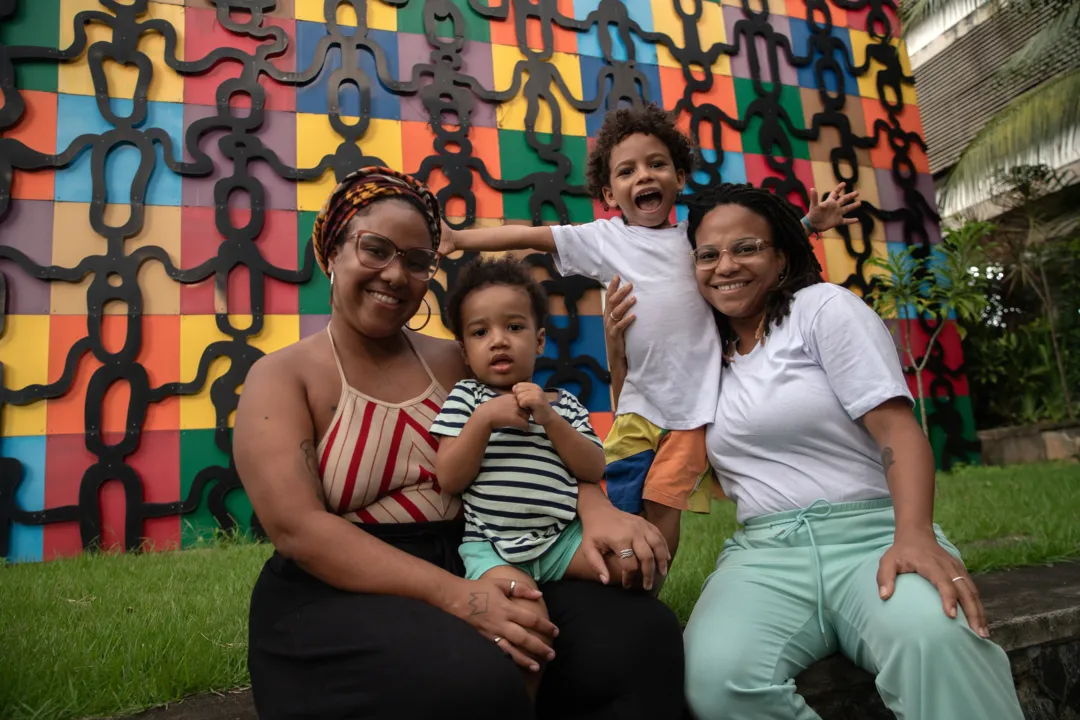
[[926, 557], [485, 605]]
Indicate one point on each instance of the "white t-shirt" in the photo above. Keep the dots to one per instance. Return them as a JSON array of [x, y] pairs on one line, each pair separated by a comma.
[[786, 430], [673, 347]]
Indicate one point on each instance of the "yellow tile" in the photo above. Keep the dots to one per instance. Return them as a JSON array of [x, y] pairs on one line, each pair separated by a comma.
[[825, 180], [24, 352], [165, 85], [197, 332], [711, 30], [511, 115], [434, 327], [841, 264], [74, 239], [315, 138], [860, 42], [380, 16]]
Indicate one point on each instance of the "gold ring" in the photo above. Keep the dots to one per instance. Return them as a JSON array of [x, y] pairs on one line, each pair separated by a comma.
[[498, 639], [958, 577]]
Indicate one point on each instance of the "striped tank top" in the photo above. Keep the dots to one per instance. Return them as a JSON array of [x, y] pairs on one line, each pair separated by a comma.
[[377, 459]]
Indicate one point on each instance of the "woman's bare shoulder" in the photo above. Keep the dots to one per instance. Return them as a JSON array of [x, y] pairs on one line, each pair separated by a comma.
[[291, 365], [443, 356]]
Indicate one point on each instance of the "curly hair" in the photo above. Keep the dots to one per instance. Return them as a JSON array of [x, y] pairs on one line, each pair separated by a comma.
[[482, 273], [624, 122], [789, 238]]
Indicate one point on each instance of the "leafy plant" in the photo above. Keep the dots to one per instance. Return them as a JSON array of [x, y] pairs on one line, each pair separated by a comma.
[[920, 284]]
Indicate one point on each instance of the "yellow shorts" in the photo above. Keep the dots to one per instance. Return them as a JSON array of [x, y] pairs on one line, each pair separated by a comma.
[[669, 467]]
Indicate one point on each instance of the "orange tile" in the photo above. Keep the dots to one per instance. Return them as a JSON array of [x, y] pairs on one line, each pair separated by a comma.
[[505, 32], [37, 130], [882, 154], [418, 143], [721, 95]]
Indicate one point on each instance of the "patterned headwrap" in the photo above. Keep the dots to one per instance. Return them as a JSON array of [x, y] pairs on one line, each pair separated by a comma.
[[357, 191]]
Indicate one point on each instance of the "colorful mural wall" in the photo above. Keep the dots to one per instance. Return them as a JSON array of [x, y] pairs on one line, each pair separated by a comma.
[[161, 164]]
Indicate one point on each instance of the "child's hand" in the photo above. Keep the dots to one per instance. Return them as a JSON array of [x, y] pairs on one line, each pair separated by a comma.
[[447, 240], [504, 411], [831, 210], [532, 397]]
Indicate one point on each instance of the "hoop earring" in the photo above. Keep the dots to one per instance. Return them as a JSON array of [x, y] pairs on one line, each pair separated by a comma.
[[331, 288], [426, 320]]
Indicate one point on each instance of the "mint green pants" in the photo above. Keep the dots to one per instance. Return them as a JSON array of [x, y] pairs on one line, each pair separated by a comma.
[[794, 587]]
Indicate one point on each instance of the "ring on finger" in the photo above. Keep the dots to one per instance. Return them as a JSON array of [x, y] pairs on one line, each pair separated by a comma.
[[513, 584], [498, 639], [958, 577], [627, 553], [612, 316]]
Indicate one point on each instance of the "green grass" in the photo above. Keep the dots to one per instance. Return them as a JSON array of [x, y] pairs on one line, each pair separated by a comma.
[[110, 634]]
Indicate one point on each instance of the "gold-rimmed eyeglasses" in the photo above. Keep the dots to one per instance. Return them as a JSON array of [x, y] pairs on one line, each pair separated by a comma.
[[707, 257], [376, 252]]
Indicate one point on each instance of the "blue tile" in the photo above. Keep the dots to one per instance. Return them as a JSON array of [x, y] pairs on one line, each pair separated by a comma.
[[732, 170], [591, 67], [801, 38], [78, 115], [26, 540], [312, 98], [589, 342], [936, 260], [589, 43]]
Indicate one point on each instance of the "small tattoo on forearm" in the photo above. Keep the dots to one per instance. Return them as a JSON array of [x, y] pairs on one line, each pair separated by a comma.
[[478, 601], [887, 460], [311, 461]]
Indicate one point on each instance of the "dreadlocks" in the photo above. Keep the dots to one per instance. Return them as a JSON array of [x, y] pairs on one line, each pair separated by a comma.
[[789, 238]]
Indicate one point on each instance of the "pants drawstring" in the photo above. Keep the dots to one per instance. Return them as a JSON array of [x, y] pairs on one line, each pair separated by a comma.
[[817, 510]]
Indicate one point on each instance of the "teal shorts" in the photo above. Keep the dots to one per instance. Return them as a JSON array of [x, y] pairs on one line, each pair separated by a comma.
[[479, 557]]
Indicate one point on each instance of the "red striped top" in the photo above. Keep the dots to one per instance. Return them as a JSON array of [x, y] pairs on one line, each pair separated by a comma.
[[377, 459]]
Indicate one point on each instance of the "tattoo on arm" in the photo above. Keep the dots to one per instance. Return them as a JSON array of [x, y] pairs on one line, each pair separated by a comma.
[[478, 602], [311, 461], [887, 460]]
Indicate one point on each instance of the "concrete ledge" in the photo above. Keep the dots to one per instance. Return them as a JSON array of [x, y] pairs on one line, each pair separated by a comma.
[[1035, 617]]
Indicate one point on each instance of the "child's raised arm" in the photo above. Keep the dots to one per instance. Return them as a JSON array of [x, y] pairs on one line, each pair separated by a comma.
[[494, 239]]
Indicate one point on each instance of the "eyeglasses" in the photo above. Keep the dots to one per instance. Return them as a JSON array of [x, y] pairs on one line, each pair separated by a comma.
[[742, 250], [376, 252]]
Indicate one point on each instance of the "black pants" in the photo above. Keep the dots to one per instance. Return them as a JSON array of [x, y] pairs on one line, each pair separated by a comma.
[[319, 652]]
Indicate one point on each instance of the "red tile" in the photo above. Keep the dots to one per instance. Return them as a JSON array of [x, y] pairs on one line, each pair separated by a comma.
[[758, 170], [953, 356], [37, 130]]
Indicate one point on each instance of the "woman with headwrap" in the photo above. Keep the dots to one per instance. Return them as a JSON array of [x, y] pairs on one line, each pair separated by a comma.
[[362, 610]]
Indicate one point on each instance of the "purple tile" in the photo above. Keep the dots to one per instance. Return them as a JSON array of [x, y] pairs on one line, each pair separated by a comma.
[[413, 50], [28, 228], [311, 324], [740, 64], [891, 196], [278, 132]]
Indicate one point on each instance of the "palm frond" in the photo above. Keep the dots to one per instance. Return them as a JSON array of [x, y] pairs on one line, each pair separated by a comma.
[[913, 12], [1042, 114], [1046, 45]]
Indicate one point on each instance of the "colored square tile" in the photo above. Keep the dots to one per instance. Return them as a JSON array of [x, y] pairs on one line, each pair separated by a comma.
[[204, 34], [895, 131], [281, 8], [831, 57], [27, 229], [506, 32], [418, 144], [885, 22], [720, 95], [166, 85], [824, 14], [315, 139], [952, 354], [78, 115], [520, 160], [767, 61], [74, 239], [414, 50], [847, 260], [639, 12], [156, 462], [881, 55], [39, 27], [913, 203], [36, 130], [731, 168], [276, 245], [200, 454], [770, 119], [825, 180], [380, 16], [837, 127], [314, 96], [587, 343], [957, 413], [311, 324], [602, 423], [473, 26], [24, 354], [710, 29], [649, 89], [25, 540], [511, 114], [764, 172], [314, 295], [278, 133], [197, 333]]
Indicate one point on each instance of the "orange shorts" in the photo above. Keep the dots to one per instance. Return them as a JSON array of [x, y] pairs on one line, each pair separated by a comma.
[[669, 467]]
